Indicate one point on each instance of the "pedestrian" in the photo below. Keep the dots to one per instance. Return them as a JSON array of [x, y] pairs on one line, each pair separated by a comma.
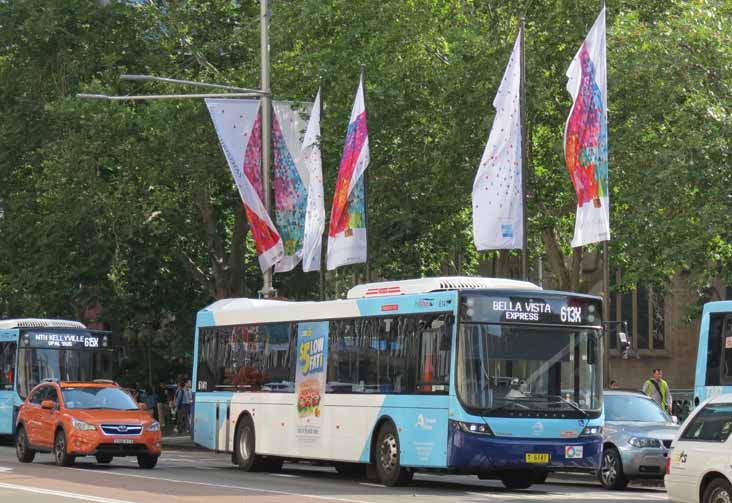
[[183, 401], [162, 407], [657, 389]]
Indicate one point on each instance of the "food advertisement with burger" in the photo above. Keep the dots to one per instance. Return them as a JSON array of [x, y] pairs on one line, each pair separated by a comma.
[[312, 358]]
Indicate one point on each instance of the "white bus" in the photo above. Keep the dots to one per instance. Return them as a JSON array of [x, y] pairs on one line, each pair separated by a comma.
[[492, 377]]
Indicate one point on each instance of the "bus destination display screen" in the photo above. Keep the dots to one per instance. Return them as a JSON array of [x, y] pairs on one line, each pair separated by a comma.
[[64, 339], [545, 310]]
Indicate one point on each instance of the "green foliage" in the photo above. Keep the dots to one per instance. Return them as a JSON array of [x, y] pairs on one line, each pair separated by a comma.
[[130, 205]]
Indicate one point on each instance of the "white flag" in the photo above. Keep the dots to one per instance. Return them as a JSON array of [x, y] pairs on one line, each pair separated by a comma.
[[315, 215], [585, 137], [237, 125], [498, 211], [347, 231]]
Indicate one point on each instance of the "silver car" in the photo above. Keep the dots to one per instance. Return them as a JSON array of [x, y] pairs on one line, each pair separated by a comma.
[[637, 437]]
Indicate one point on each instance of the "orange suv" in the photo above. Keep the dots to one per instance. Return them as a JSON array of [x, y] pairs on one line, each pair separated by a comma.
[[73, 419]]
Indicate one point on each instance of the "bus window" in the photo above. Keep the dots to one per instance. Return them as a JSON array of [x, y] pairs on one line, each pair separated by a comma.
[[7, 365], [714, 345], [727, 358]]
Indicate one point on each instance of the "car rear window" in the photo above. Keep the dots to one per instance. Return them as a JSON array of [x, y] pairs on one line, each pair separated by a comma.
[[713, 424]]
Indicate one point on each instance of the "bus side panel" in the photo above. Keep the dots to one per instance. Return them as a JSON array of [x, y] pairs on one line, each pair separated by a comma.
[[422, 425], [274, 417], [9, 399], [204, 431]]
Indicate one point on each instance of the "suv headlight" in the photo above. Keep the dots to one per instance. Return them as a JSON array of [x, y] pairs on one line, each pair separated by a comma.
[[644, 442], [154, 426], [591, 431], [81, 425], [478, 428]]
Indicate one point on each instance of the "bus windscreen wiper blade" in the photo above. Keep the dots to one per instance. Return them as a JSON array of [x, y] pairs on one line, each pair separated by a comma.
[[561, 399]]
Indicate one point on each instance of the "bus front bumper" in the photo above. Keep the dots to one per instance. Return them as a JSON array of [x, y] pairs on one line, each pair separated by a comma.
[[477, 453]]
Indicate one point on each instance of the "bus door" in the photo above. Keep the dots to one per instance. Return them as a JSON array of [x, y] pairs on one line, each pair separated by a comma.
[[726, 360], [8, 396]]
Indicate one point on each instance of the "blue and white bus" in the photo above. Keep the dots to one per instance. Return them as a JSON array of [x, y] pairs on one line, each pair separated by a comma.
[[492, 377], [714, 354], [33, 349]]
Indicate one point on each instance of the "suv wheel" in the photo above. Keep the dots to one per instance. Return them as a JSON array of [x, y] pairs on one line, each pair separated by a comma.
[[60, 453], [104, 458], [611, 470], [147, 461], [22, 450]]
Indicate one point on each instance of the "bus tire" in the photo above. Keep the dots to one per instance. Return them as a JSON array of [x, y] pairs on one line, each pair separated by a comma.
[[517, 479], [60, 450], [22, 448], [244, 441], [389, 470], [539, 477]]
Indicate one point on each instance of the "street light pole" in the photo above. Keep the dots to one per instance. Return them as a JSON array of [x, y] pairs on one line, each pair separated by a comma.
[[267, 289]]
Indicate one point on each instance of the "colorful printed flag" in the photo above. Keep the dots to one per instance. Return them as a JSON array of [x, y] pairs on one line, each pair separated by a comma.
[[238, 126], [585, 137], [290, 179], [315, 214], [498, 211], [347, 232]]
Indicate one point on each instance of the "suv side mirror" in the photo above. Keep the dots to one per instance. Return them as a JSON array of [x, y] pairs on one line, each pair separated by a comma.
[[141, 406], [47, 404]]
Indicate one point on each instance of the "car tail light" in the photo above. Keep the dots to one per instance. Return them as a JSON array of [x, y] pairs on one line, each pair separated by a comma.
[[668, 465]]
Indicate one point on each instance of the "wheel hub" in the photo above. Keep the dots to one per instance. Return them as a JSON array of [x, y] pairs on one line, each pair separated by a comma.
[[720, 495], [608, 469], [388, 453]]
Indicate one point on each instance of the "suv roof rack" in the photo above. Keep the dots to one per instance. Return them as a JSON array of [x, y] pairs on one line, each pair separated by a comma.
[[106, 381], [50, 379]]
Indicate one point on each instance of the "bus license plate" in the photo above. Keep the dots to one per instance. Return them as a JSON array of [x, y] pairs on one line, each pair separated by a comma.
[[537, 457], [122, 440]]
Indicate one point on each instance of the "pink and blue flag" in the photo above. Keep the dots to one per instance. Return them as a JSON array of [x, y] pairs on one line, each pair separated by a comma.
[[347, 231], [585, 137]]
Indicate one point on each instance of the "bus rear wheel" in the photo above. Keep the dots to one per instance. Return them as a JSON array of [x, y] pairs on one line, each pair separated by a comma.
[[386, 457]]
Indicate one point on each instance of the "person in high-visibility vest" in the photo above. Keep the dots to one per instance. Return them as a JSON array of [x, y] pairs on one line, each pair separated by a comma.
[[657, 389]]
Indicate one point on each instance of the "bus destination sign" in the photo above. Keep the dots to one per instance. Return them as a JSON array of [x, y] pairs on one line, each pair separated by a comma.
[[62, 340], [550, 309]]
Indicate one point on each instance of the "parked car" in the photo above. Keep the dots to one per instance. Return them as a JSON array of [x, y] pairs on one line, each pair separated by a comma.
[[699, 466], [71, 419], [637, 436]]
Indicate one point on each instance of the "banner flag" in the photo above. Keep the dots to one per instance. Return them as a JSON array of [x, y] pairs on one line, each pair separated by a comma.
[[347, 231], [585, 137], [238, 126], [310, 158], [498, 211], [290, 178]]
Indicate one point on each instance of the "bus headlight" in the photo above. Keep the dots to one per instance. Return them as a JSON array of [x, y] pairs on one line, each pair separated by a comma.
[[644, 442], [154, 426], [478, 428], [591, 431], [82, 426]]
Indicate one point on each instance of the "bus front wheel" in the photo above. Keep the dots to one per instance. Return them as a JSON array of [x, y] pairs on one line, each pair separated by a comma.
[[517, 480], [386, 457], [244, 454]]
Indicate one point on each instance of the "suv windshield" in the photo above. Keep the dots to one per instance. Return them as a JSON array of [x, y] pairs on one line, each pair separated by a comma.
[[97, 398], [634, 408], [529, 370]]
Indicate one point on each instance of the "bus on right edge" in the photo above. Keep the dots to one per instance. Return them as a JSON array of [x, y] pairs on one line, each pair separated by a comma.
[[714, 355]]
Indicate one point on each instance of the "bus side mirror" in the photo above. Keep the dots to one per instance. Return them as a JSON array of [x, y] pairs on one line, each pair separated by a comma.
[[47, 404]]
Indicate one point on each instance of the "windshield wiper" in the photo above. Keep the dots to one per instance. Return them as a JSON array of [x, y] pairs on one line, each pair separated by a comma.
[[508, 406], [561, 399]]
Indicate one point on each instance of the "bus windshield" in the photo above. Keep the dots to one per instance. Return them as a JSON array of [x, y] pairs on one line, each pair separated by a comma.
[[37, 364], [534, 371]]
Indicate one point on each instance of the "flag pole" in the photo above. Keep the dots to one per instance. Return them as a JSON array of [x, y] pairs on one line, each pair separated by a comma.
[[267, 289], [606, 276], [524, 161]]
